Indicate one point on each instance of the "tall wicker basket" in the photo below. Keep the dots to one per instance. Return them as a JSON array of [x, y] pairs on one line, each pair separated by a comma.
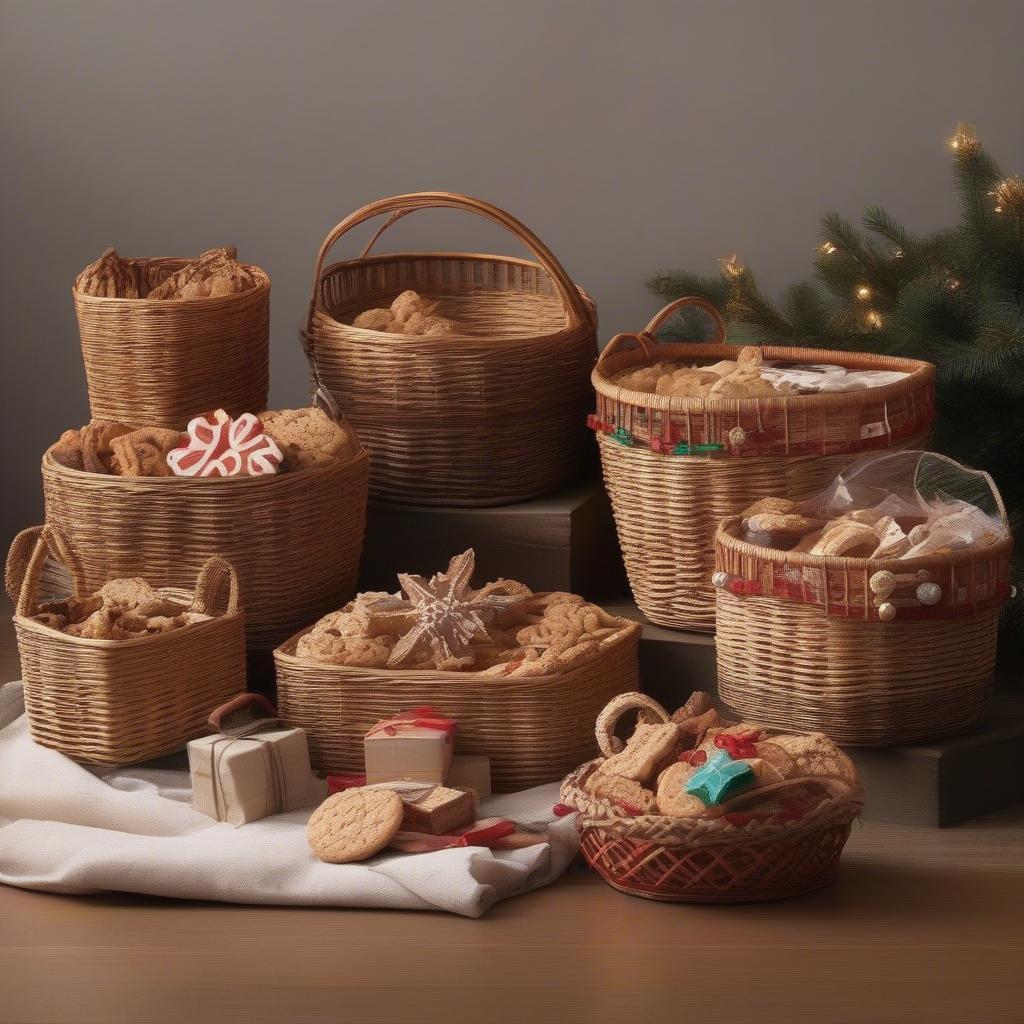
[[294, 538], [854, 647], [674, 467], [486, 416], [118, 702], [534, 729], [155, 362]]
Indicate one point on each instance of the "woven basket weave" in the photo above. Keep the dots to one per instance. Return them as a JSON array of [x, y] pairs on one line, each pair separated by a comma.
[[155, 362], [700, 860], [667, 505], [487, 416], [801, 645], [533, 729], [118, 702], [294, 538]]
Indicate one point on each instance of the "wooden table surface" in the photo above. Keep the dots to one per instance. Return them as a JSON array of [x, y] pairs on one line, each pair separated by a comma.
[[923, 926]]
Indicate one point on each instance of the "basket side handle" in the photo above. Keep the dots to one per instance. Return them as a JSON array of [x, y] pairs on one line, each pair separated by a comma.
[[650, 710], [216, 575], [700, 302], [621, 339], [401, 206], [27, 559]]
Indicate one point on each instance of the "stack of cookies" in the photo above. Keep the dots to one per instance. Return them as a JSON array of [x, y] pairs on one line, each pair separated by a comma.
[[697, 766], [214, 444], [214, 273], [410, 314], [123, 609]]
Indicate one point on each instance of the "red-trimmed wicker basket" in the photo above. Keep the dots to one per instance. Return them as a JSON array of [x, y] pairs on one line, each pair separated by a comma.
[[690, 860], [848, 646], [674, 467]]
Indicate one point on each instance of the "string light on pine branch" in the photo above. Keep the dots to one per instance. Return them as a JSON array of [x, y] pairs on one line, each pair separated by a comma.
[[732, 268], [873, 319], [897, 253], [863, 293], [827, 249], [1009, 196], [964, 139]]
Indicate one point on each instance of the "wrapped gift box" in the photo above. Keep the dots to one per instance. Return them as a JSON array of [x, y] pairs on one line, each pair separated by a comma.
[[251, 767], [415, 746], [439, 810]]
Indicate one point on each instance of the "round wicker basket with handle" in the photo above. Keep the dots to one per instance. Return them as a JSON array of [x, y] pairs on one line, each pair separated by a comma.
[[699, 860], [294, 538], [488, 415], [118, 702], [675, 466], [154, 362], [848, 646]]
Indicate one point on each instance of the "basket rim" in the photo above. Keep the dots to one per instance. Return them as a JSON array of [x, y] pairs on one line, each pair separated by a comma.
[[631, 631], [262, 285], [585, 330], [45, 632], [717, 832], [320, 468], [920, 373], [804, 559]]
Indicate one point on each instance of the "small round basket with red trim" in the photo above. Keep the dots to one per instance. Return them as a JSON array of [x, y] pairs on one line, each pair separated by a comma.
[[779, 844]]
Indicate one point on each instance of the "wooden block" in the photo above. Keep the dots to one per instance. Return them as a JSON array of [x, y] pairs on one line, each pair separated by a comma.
[[949, 781], [564, 541]]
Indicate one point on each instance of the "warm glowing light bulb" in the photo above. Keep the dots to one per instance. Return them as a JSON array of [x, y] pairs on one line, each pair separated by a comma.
[[864, 292], [731, 266], [964, 140], [897, 253], [874, 319], [827, 249]]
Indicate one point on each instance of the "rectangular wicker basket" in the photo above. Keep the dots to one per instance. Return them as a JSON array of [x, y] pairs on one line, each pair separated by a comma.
[[534, 729], [116, 702]]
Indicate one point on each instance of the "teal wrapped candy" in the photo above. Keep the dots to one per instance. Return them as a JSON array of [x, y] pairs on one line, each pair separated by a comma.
[[623, 436], [718, 778]]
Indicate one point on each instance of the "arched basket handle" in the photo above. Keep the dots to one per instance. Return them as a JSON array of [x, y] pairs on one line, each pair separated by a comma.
[[26, 560], [659, 318], [619, 340], [401, 206], [650, 711]]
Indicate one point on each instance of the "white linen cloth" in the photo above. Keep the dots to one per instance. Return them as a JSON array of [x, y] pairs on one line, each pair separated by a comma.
[[70, 829]]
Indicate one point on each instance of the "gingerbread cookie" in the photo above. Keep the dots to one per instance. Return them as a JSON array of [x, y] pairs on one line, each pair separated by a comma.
[[306, 436], [377, 320], [143, 452], [97, 453], [628, 793], [68, 450], [672, 798], [354, 824]]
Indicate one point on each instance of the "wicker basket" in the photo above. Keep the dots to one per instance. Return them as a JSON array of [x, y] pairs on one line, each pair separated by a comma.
[[533, 729], [707, 861], [485, 417], [154, 362], [801, 642], [294, 538], [667, 504], [118, 702]]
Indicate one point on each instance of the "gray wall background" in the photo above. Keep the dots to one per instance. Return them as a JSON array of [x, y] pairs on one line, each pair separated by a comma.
[[629, 136]]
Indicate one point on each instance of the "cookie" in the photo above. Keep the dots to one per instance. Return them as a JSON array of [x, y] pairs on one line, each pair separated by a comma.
[[620, 790], [377, 320], [143, 452], [408, 303], [354, 824], [769, 752], [778, 530], [697, 704], [847, 539], [778, 506], [52, 619], [212, 273], [108, 277], [649, 745], [672, 798], [427, 326], [306, 436], [97, 626], [815, 755], [97, 452], [68, 450]]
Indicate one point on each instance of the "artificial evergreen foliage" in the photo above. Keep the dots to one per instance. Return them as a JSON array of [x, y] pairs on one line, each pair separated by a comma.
[[954, 298]]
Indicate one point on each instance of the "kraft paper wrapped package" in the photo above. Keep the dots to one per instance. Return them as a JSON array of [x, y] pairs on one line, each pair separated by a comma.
[[414, 746], [252, 767]]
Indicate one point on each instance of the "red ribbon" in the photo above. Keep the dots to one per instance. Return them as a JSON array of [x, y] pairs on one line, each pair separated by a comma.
[[417, 718], [345, 780]]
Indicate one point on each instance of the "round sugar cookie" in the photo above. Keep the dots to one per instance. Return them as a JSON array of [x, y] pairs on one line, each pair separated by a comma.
[[354, 824]]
